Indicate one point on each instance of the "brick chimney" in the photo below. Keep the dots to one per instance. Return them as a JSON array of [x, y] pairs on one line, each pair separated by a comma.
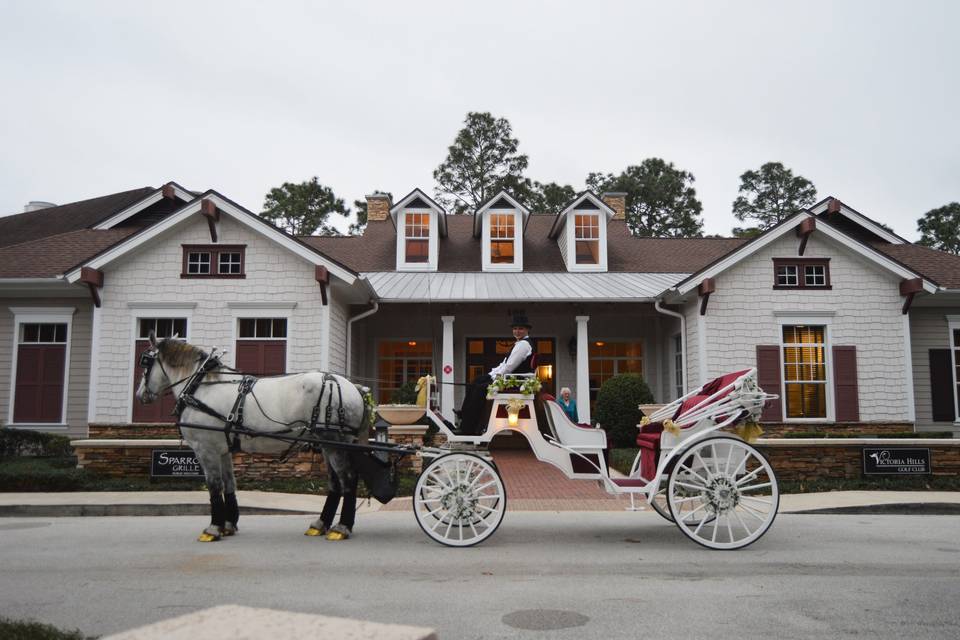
[[378, 206], [618, 202]]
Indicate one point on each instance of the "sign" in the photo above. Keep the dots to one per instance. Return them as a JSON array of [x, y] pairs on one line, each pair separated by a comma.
[[174, 463], [896, 461], [447, 369]]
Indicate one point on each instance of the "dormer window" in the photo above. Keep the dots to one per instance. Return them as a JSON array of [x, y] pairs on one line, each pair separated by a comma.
[[417, 237], [587, 238], [499, 224], [420, 223], [502, 238]]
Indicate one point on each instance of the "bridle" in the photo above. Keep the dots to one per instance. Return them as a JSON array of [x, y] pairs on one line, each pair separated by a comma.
[[151, 357]]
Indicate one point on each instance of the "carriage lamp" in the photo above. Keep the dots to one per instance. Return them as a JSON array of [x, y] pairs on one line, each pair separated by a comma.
[[513, 412]]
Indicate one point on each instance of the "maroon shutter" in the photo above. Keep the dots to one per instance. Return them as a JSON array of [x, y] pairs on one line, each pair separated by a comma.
[[39, 383], [158, 411], [845, 384], [768, 377], [941, 386], [262, 357]]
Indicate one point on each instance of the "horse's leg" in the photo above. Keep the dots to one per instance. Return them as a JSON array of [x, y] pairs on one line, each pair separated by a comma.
[[212, 471], [347, 477], [229, 495], [321, 525]]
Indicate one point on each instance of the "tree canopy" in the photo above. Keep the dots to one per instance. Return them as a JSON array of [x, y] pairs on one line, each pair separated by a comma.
[[482, 160], [772, 194], [940, 228], [304, 208], [661, 200], [549, 197], [357, 228]]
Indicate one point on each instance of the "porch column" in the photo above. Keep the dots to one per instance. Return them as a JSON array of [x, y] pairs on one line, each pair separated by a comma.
[[446, 369], [583, 370]]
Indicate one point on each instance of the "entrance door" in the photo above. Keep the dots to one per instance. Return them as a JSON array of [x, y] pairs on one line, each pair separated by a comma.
[[484, 354]]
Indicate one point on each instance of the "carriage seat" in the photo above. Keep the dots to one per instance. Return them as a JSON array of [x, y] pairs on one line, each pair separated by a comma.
[[568, 432]]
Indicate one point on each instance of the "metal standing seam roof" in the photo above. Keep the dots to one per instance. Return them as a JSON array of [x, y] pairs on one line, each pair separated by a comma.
[[392, 286]]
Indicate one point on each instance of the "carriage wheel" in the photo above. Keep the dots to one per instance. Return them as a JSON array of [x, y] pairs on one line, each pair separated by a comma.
[[459, 500], [723, 493]]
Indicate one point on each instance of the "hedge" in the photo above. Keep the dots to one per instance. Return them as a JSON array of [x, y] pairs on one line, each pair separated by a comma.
[[19, 442], [617, 408]]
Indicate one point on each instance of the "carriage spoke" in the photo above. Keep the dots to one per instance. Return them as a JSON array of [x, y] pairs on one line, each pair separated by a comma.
[[756, 486], [690, 486], [743, 524], [484, 486], [729, 528], [474, 529], [726, 466], [687, 517], [716, 529], [704, 463], [699, 526], [691, 498], [750, 476], [750, 511], [760, 500], [694, 473]]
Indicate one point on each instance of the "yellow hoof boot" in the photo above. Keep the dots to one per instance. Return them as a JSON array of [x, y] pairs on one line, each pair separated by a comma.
[[337, 535], [313, 531], [207, 537]]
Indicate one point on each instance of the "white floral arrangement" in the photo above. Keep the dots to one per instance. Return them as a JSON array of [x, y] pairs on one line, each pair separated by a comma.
[[528, 386]]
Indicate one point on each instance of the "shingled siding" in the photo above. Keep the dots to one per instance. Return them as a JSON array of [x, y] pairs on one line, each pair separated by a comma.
[[339, 313], [691, 314], [77, 393], [866, 304], [273, 275], [928, 330]]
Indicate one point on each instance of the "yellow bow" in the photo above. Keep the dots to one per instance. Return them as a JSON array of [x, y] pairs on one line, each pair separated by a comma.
[[422, 389], [671, 427], [644, 421], [749, 431]]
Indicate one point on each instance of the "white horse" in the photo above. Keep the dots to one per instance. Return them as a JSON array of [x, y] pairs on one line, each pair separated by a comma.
[[282, 405]]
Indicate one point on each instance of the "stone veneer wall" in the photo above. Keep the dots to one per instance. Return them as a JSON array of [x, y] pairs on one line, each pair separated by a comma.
[[806, 462]]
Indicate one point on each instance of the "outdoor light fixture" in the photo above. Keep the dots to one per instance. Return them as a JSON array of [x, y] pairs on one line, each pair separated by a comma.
[[412, 343], [513, 412]]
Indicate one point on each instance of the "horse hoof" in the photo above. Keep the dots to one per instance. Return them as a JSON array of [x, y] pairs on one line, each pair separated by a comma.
[[313, 531], [337, 535], [207, 537], [230, 530]]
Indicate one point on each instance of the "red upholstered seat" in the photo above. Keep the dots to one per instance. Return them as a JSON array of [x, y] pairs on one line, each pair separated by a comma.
[[649, 444], [711, 388]]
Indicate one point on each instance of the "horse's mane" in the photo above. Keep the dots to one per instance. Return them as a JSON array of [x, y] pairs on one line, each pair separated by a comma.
[[179, 353]]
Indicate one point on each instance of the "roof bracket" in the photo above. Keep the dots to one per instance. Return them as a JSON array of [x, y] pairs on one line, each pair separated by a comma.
[[323, 278], [708, 286], [806, 228], [208, 209], [168, 191], [910, 288], [93, 278]]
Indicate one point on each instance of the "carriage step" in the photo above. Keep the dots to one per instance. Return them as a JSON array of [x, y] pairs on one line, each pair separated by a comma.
[[629, 482]]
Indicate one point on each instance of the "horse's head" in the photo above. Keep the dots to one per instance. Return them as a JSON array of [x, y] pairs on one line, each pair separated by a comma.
[[165, 363]]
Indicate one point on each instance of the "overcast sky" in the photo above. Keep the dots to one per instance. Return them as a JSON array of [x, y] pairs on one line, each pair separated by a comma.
[[862, 98]]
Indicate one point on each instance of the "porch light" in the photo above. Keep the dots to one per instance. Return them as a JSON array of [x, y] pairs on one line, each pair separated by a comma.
[[412, 343], [600, 344]]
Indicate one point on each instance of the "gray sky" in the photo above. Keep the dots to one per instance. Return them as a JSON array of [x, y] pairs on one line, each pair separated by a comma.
[[862, 98]]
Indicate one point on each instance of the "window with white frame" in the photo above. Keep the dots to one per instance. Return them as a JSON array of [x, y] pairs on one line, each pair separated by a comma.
[[801, 273], [787, 275], [502, 238], [955, 350], [262, 346], [198, 262], [213, 261], [416, 229], [804, 350], [40, 366], [587, 238]]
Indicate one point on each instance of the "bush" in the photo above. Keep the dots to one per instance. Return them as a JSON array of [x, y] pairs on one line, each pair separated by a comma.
[[19, 442], [20, 630], [617, 409], [406, 394]]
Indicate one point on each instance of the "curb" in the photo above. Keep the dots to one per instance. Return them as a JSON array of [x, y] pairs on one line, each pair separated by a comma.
[[901, 509], [100, 510]]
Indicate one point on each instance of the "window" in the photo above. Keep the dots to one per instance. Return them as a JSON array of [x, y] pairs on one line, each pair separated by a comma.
[[502, 237], [805, 371], [213, 261], [41, 360], [400, 362], [417, 237], [587, 238], [159, 410], [801, 273], [608, 359], [262, 346]]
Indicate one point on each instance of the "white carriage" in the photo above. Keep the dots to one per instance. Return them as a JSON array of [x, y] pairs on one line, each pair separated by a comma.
[[695, 466]]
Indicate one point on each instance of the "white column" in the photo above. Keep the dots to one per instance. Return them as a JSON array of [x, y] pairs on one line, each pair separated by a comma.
[[446, 369], [908, 372], [94, 367], [583, 370]]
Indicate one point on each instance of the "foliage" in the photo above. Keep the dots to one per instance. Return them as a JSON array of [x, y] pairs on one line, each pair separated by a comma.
[[29, 630], [872, 483], [406, 394], [772, 195], [940, 228], [621, 458], [507, 384], [19, 442], [482, 160], [895, 435], [617, 410], [661, 200], [357, 228], [304, 208], [549, 197], [746, 232]]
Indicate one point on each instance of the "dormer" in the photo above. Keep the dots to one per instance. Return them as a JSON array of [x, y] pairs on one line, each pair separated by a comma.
[[420, 223], [500, 224], [581, 231]]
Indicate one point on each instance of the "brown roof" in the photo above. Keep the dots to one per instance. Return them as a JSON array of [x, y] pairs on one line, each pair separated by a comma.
[[24, 227], [54, 255], [460, 251], [940, 267]]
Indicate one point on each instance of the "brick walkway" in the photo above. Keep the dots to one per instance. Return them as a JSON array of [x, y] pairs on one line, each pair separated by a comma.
[[537, 486]]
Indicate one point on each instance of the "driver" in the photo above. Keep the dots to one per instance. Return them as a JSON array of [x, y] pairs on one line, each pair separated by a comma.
[[519, 360]]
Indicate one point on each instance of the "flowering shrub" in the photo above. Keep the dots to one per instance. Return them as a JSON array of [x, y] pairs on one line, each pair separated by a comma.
[[528, 386]]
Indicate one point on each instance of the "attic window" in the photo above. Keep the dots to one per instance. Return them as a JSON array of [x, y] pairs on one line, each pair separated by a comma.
[[502, 237], [417, 236], [213, 261], [587, 238], [800, 273]]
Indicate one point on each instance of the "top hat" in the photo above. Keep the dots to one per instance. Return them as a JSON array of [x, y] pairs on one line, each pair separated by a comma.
[[520, 320]]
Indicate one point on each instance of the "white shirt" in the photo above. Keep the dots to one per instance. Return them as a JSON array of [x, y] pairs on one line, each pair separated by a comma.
[[520, 352]]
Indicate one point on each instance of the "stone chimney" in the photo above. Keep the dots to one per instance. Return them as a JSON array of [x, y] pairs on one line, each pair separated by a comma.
[[618, 202], [378, 206]]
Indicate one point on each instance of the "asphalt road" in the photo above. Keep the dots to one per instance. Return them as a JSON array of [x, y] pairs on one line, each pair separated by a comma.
[[557, 575]]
